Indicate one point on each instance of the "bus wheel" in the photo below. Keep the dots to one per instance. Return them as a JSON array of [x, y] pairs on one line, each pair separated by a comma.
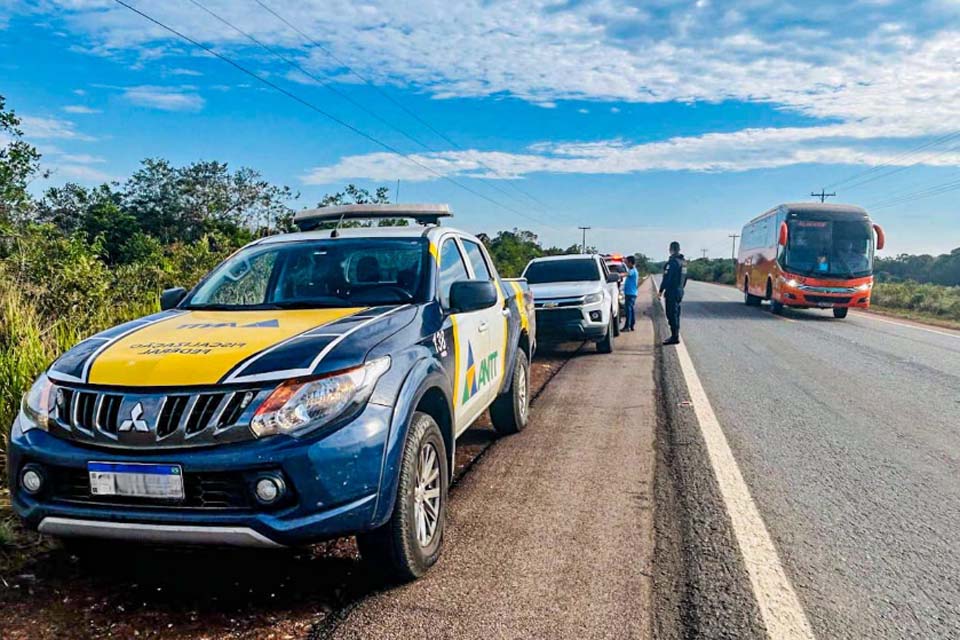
[[776, 307], [840, 312], [748, 298]]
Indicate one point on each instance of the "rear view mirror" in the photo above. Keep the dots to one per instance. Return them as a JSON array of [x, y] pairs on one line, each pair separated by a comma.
[[881, 238], [170, 298], [472, 295], [613, 278], [782, 240]]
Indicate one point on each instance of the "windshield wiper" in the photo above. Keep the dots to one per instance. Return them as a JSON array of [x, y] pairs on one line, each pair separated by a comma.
[[310, 304], [230, 307]]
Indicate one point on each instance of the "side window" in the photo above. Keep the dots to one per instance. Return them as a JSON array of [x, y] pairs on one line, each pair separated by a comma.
[[475, 255], [452, 269]]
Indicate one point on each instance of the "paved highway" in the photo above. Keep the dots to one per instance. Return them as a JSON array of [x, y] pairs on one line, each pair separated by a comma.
[[847, 433]]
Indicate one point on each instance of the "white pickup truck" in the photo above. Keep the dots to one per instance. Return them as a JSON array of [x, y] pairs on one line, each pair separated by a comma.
[[576, 298]]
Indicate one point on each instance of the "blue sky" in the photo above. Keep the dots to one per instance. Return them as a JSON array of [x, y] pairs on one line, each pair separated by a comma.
[[648, 121]]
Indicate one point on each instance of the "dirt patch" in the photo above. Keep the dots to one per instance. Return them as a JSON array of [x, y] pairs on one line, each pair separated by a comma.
[[50, 591]]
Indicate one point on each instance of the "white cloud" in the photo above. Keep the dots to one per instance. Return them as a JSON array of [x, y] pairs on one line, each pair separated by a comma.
[[39, 128], [80, 158], [738, 151], [81, 173], [164, 98], [80, 109], [184, 72]]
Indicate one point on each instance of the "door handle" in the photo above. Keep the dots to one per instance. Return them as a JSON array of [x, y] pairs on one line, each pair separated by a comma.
[[483, 327], [506, 312]]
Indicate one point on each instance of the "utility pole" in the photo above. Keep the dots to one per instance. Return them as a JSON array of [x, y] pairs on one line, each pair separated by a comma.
[[704, 252], [823, 195], [396, 196], [733, 254], [583, 245]]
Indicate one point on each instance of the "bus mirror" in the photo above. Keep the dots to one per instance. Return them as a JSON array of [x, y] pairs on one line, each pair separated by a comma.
[[880, 237], [783, 234]]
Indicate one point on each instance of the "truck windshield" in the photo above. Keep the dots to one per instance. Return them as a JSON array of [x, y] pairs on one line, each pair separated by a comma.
[[573, 270], [838, 248], [317, 274]]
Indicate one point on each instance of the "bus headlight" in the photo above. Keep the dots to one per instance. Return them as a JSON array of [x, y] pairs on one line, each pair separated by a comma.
[[299, 406], [792, 283], [866, 286]]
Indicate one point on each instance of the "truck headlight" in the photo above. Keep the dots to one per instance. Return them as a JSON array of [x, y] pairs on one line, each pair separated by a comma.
[[36, 404], [593, 298], [299, 406]]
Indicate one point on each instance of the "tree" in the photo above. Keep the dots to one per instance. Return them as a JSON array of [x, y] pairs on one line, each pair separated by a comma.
[[352, 194], [19, 163]]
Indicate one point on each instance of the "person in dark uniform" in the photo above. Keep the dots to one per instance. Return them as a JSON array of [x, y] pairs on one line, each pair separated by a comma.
[[671, 290]]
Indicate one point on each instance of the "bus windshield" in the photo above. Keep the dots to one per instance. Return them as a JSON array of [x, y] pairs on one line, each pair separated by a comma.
[[838, 248]]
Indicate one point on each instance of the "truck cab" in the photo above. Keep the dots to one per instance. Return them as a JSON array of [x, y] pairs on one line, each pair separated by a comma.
[[312, 386]]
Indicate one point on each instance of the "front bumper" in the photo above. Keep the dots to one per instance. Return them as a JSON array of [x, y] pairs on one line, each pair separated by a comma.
[[334, 483], [803, 298], [572, 323]]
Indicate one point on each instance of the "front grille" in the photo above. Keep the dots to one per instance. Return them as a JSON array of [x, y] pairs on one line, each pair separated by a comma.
[[221, 490], [548, 316], [144, 420], [828, 299], [557, 302]]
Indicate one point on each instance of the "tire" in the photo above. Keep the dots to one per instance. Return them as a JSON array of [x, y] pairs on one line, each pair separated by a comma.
[[616, 323], [776, 307], [405, 547], [511, 410], [748, 298], [840, 312], [605, 344]]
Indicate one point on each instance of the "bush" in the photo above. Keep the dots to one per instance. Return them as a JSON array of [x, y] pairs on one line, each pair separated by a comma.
[[926, 299]]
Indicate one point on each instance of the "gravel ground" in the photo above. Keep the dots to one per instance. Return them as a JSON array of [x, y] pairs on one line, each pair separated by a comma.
[[132, 592]]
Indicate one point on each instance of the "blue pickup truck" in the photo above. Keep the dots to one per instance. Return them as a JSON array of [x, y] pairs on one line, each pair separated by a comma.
[[312, 386]]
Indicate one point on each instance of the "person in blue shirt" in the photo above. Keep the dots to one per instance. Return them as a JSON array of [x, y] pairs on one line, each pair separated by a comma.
[[630, 286]]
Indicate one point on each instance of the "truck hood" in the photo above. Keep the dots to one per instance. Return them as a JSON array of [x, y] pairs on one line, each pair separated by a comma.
[[194, 348], [563, 289]]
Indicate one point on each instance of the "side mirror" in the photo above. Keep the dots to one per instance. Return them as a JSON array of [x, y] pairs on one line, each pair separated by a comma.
[[613, 278], [881, 238], [782, 240], [472, 295], [170, 298]]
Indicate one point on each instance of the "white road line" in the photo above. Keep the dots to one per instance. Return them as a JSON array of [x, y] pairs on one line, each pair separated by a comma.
[[782, 613], [908, 326]]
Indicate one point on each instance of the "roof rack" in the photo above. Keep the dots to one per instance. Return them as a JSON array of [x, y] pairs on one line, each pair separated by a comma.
[[423, 213]]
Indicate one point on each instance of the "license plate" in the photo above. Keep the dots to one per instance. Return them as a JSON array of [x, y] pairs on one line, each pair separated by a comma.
[[824, 304], [136, 480]]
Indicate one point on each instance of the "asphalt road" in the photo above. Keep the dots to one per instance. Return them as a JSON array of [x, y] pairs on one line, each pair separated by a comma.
[[551, 534], [847, 433]]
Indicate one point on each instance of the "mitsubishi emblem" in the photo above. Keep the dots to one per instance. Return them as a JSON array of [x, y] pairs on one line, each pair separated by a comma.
[[134, 423]]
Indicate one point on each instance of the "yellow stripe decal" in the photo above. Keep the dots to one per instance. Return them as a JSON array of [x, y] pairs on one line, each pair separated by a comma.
[[200, 347], [456, 361], [435, 252], [521, 306]]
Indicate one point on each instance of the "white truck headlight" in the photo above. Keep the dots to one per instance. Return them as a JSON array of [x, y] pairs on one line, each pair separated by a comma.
[[299, 406], [36, 404], [593, 298]]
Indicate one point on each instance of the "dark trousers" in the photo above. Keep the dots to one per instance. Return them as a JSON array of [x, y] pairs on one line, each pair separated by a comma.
[[672, 308], [630, 306]]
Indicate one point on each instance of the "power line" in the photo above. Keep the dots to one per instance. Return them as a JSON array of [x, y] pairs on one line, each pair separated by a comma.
[[933, 190], [547, 208], [891, 161], [326, 85], [322, 112]]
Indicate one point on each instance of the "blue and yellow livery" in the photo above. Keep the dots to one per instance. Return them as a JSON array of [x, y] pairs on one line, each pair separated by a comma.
[[312, 386]]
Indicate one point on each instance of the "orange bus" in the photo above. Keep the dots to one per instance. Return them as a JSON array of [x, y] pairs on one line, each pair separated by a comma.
[[809, 255]]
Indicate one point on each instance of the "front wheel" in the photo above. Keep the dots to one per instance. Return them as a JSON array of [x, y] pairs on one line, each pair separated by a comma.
[[409, 543], [840, 312], [605, 345], [510, 410], [748, 298], [776, 307]]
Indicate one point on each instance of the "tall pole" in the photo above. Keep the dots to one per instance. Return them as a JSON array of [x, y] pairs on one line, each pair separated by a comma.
[[823, 195], [583, 245], [396, 196], [704, 253], [733, 254]]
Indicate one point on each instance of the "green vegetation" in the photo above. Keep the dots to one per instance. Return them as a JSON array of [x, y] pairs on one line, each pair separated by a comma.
[[722, 270], [943, 269]]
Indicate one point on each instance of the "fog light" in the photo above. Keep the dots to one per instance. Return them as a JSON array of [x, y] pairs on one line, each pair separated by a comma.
[[269, 489], [595, 316], [31, 479]]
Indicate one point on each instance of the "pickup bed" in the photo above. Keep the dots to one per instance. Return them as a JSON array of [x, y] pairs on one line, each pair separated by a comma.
[[312, 386]]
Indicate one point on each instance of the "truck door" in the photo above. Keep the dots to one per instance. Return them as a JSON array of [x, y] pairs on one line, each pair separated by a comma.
[[469, 342], [494, 325]]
